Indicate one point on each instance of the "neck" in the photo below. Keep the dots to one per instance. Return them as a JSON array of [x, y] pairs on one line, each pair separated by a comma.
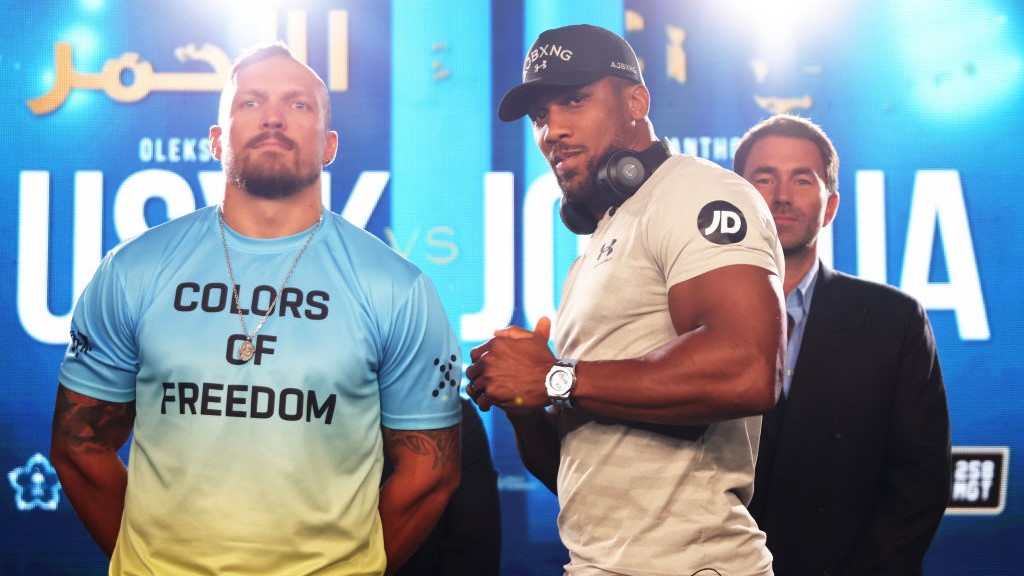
[[797, 265], [643, 135], [271, 218], [643, 138]]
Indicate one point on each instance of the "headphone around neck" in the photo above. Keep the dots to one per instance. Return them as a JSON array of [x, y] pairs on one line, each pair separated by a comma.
[[618, 179]]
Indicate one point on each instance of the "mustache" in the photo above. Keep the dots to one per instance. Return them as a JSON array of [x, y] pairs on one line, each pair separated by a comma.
[[272, 135], [784, 209], [558, 151]]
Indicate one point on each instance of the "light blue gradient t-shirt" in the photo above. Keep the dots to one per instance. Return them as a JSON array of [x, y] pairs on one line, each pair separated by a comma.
[[270, 466]]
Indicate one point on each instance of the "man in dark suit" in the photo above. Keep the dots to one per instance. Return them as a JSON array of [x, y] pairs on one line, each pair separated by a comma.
[[853, 472]]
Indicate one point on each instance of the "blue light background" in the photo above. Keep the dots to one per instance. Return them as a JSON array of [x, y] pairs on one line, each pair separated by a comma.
[[901, 87]]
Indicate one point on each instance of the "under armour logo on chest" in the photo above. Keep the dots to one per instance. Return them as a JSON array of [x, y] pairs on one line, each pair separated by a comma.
[[606, 250]]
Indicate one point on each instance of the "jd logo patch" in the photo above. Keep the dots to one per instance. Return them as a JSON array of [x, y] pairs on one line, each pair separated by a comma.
[[722, 223]]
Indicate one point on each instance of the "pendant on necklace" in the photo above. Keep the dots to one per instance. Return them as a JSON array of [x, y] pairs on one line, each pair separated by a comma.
[[246, 351]]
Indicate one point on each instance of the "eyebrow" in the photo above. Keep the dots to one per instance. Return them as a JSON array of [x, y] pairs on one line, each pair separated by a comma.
[[761, 170], [299, 93], [293, 93], [773, 171], [546, 96]]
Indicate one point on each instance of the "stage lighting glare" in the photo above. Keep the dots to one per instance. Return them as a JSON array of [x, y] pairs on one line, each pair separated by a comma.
[[777, 24], [257, 4], [961, 70]]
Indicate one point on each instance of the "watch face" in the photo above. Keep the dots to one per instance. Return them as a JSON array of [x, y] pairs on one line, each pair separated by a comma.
[[560, 382]]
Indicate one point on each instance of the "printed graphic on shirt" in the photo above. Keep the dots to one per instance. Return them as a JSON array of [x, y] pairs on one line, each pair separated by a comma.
[[605, 254], [722, 223]]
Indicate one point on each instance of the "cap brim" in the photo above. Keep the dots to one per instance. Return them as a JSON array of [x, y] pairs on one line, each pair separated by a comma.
[[517, 101]]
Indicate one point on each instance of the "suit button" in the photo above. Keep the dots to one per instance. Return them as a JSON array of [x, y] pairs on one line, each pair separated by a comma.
[[820, 509], [837, 435]]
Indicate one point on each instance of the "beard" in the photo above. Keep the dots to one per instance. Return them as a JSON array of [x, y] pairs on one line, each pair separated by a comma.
[[263, 182], [271, 179], [585, 188], [796, 237]]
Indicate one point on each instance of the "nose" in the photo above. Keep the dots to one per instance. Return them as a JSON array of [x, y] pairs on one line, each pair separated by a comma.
[[557, 126], [781, 193], [273, 119]]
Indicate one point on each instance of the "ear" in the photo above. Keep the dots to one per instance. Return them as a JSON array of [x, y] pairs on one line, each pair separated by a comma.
[[331, 148], [831, 206], [215, 145], [638, 98]]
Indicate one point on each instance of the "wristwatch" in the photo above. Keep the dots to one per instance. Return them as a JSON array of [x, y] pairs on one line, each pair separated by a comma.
[[561, 381]]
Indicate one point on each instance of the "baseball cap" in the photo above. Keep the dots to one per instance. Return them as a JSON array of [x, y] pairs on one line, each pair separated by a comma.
[[570, 56]]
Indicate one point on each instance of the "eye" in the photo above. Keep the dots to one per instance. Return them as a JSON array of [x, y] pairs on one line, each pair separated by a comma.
[[301, 105], [538, 117], [573, 100]]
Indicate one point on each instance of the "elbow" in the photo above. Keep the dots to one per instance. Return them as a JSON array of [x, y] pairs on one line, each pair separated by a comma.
[[450, 482], [445, 484], [766, 398], [766, 375], [761, 389], [60, 459], [444, 489]]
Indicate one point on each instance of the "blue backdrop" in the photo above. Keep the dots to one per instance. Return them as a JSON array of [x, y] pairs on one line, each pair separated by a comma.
[[108, 105]]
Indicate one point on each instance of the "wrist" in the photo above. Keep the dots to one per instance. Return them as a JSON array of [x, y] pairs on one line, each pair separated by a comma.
[[560, 382]]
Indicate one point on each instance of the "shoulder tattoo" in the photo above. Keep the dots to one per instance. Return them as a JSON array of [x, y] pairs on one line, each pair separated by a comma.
[[442, 445]]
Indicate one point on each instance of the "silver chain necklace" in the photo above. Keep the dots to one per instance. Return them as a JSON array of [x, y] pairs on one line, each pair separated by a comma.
[[248, 349]]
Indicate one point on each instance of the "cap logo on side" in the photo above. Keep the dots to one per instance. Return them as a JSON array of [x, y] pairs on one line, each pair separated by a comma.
[[625, 66]]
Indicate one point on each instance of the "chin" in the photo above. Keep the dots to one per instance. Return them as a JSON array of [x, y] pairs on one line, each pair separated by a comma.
[[576, 187]]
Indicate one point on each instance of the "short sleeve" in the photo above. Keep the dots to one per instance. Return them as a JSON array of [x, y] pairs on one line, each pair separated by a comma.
[[421, 370], [717, 220], [102, 359]]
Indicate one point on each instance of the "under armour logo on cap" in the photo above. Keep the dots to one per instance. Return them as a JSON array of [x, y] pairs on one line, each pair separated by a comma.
[[570, 56]]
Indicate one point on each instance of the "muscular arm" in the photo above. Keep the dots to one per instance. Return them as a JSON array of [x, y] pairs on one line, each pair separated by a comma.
[[426, 472], [87, 433], [726, 361]]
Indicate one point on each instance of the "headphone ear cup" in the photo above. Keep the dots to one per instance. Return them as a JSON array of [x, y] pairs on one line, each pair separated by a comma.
[[621, 176], [576, 217]]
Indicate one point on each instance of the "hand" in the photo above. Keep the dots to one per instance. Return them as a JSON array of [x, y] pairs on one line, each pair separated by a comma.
[[508, 370]]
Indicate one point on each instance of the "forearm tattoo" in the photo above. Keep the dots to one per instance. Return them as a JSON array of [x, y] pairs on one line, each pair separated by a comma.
[[91, 425], [442, 445]]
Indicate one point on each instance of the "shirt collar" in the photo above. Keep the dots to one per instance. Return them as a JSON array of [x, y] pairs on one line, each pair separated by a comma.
[[798, 302]]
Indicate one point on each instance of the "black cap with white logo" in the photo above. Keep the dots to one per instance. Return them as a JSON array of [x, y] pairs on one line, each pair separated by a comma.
[[570, 56]]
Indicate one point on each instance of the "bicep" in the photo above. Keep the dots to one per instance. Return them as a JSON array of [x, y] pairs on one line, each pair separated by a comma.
[[83, 424], [741, 300]]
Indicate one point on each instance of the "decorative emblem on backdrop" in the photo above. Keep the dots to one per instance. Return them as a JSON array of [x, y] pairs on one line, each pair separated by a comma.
[[35, 485]]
